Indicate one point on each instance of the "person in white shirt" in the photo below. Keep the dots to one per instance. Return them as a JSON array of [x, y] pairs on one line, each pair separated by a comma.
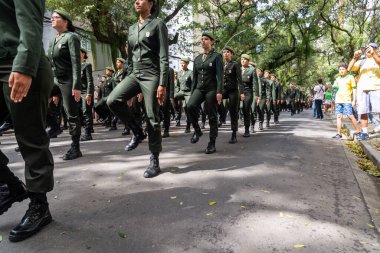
[[319, 93]]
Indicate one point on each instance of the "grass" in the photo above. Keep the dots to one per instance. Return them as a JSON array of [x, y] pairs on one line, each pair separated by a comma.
[[364, 163]]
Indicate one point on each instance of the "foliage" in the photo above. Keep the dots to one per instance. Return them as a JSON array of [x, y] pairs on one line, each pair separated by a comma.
[[363, 162]]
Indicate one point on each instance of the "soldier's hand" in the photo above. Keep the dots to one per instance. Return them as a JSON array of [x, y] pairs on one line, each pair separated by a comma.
[[130, 102], [242, 97], [55, 100], [140, 97], [219, 98], [19, 84], [161, 94], [76, 94], [88, 100]]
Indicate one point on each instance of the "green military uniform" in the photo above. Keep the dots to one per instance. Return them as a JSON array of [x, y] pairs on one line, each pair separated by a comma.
[[277, 96], [290, 99], [87, 90], [270, 105], [148, 67], [20, 52], [232, 81], [64, 55], [264, 98], [297, 100], [101, 107], [183, 90], [208, 81], [249, 88], [167, 103]]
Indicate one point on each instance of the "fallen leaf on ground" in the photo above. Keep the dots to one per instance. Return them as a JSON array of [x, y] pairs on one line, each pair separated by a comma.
[[1, 238], [281, 215], [122, 235], [363, 242], [242, 206], [205, 193], [299, 246], [375, 244], [173, 197], [181, 203], [266, 191], [209, 214], [211, 203], [370, 226], [306, 224]]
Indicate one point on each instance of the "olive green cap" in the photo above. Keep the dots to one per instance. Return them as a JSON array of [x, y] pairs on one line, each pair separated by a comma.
[[208, 35], [185, 59], [245, 56], [111, 68], [229, 49], [120, 59], [64, 14]]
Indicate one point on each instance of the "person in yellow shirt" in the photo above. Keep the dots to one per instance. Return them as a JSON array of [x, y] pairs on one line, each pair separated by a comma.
[[345, 98], [368, 96]]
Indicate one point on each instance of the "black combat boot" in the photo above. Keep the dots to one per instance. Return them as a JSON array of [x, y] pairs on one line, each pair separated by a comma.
[[87, 135], [166, 133], [154, 166], [187, 130], [268, 125], [253, 127], [211, 146], [126, 131], [135, 140], [233, 139], [246, 133], [35, 218], [74, 152], [203, 125], [197, 133], [261, 126]]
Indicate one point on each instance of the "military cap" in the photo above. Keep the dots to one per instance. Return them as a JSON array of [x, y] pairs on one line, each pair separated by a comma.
[[120, 59], [208, 35], [245, 56], [111, 69], [229, 49], [185, 59], [64, 14]]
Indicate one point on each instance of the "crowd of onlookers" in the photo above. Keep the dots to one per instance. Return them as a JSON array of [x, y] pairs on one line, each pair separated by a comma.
[[355, 93]]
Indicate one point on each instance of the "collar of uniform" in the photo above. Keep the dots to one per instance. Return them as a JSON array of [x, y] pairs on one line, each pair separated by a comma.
[[61, 36], [146, 21]]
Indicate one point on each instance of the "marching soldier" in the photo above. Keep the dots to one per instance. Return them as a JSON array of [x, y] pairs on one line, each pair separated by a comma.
[[64, 54], [264, 98], [101, 107], [277, 97], [26, 79], [207, 87], [270, 95], [232, 83], [185, 80], [148, 65], [248, 89], [87, 95]]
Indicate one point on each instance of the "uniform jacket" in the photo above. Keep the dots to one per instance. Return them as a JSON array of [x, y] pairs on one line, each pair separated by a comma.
[[271, 87], [265, 88], [276, 91], [232, 76], [185, 80], [64, 55], [208, 75], [86, 78], [249, 80], [18, 50], [107, 86], [148, 48], [119, 76]]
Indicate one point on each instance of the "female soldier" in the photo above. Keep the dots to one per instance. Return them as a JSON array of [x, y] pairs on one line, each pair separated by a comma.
[[64, 55], [148, 64], [87, 95], [208, 87], [249, 87]]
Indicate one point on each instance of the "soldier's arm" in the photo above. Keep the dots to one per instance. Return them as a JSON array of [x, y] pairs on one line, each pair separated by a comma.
[[29, 15], [171, 82], [74, 48], [164, 52], [268, 89], [239, 78], [219, 73], [195, 78], [90, 80]]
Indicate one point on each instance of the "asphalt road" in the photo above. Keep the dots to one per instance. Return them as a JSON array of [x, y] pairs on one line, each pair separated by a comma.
[[289, 188]]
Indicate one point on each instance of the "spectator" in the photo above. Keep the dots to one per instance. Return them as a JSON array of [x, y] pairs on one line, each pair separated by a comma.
[[319, 94]]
